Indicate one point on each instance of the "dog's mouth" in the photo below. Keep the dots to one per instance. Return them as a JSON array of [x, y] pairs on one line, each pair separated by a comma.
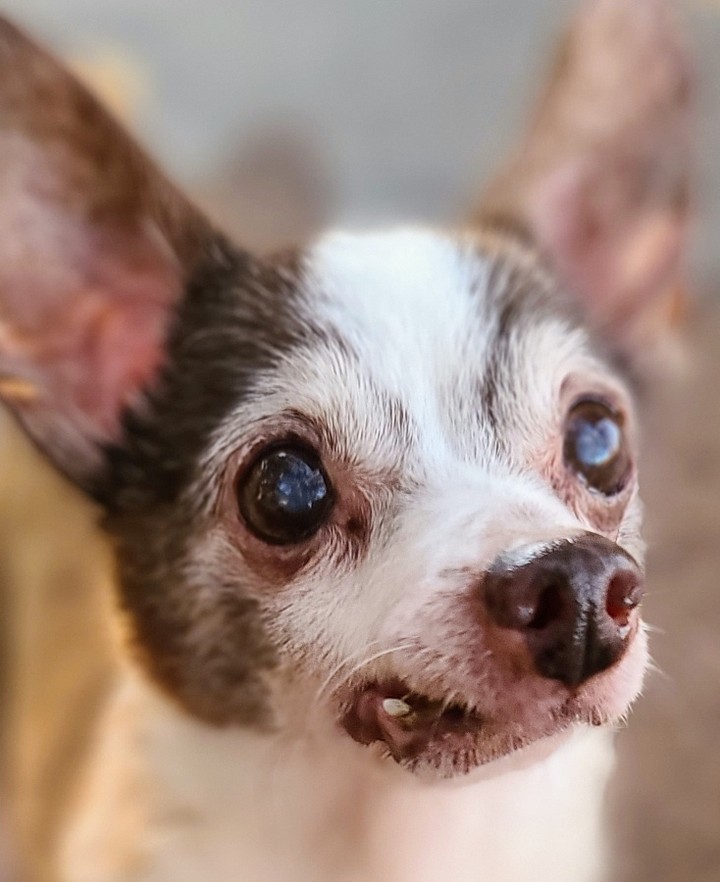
[[449, 721], [408, 723], [446, 737], [404, 720]]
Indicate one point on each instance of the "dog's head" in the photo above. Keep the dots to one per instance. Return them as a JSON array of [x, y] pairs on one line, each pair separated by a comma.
[[391, 477]]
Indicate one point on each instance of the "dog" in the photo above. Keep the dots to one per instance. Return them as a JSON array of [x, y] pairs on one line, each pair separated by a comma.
[[373, 503]]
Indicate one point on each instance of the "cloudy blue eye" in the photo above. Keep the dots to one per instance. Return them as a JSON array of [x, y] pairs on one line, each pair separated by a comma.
[[596, 443], [595, 447], [285, 496]]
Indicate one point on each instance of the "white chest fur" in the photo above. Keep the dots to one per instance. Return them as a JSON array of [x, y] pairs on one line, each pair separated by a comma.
[[170, 800]]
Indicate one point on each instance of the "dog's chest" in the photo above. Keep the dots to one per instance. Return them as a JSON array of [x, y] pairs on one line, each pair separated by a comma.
[[189, 803]]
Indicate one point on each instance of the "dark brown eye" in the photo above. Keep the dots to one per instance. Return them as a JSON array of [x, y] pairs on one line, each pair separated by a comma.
[[285, 496], [595, 447]]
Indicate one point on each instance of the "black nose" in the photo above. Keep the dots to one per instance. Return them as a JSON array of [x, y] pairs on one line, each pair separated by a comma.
[[573, 604]]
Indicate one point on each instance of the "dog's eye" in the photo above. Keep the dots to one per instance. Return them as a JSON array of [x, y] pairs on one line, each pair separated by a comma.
[[285, 496], [595, 447]]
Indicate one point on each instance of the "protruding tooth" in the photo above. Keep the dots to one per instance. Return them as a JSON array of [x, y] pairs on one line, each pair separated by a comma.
[[396, 707]]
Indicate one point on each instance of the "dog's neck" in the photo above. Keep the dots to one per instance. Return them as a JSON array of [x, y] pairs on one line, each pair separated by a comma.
[[191, 802]]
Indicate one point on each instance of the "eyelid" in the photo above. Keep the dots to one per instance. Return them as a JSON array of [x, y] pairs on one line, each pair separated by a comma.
[[593, 384], [598, 398]]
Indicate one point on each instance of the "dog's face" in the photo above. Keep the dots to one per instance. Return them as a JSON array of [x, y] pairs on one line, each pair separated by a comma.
[[390, 479], [412, 493]]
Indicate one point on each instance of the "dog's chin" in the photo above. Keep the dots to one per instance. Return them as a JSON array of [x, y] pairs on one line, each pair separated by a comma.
[[441, 739]]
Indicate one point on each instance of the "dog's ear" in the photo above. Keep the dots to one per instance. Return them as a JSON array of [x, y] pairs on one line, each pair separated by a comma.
[[601, 181], [95, 249]]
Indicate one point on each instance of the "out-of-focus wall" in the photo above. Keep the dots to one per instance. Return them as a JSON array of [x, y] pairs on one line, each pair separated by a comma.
[[407, 104]]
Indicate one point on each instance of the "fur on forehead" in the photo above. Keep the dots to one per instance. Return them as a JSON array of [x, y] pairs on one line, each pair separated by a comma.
[[421, 337]]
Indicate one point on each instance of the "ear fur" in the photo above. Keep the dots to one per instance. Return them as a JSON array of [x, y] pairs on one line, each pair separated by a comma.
[[95, 248], [601, 181]]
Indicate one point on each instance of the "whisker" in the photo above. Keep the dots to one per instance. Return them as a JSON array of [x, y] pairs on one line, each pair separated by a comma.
[[336, 670], [654, 668], [381, 654], [328, 686], [448, 701], [421, 651]]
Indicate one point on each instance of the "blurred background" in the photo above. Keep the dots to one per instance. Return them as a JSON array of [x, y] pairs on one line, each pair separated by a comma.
[[281, 118]]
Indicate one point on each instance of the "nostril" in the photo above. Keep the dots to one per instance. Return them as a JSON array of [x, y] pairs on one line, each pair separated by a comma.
[[549, 606], [624, 594], [531, 601]]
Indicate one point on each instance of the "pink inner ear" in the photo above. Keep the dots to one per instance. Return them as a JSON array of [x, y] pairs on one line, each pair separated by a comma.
[[94, 246], [615, 254], [88, 330], [649, 258]]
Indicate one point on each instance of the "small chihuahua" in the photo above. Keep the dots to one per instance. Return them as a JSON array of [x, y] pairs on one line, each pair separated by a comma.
[[374, 503]]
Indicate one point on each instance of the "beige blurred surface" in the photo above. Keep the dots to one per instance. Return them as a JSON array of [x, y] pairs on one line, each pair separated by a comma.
[[54, 578], [666, 794]]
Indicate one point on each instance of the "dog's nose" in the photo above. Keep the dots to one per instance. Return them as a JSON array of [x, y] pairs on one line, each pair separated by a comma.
[[572, 603]]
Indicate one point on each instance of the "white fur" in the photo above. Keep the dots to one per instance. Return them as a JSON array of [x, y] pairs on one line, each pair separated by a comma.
[[170, 800]]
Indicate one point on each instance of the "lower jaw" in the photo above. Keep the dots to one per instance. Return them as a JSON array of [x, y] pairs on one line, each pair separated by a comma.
[[489, 754], [452, 748]]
